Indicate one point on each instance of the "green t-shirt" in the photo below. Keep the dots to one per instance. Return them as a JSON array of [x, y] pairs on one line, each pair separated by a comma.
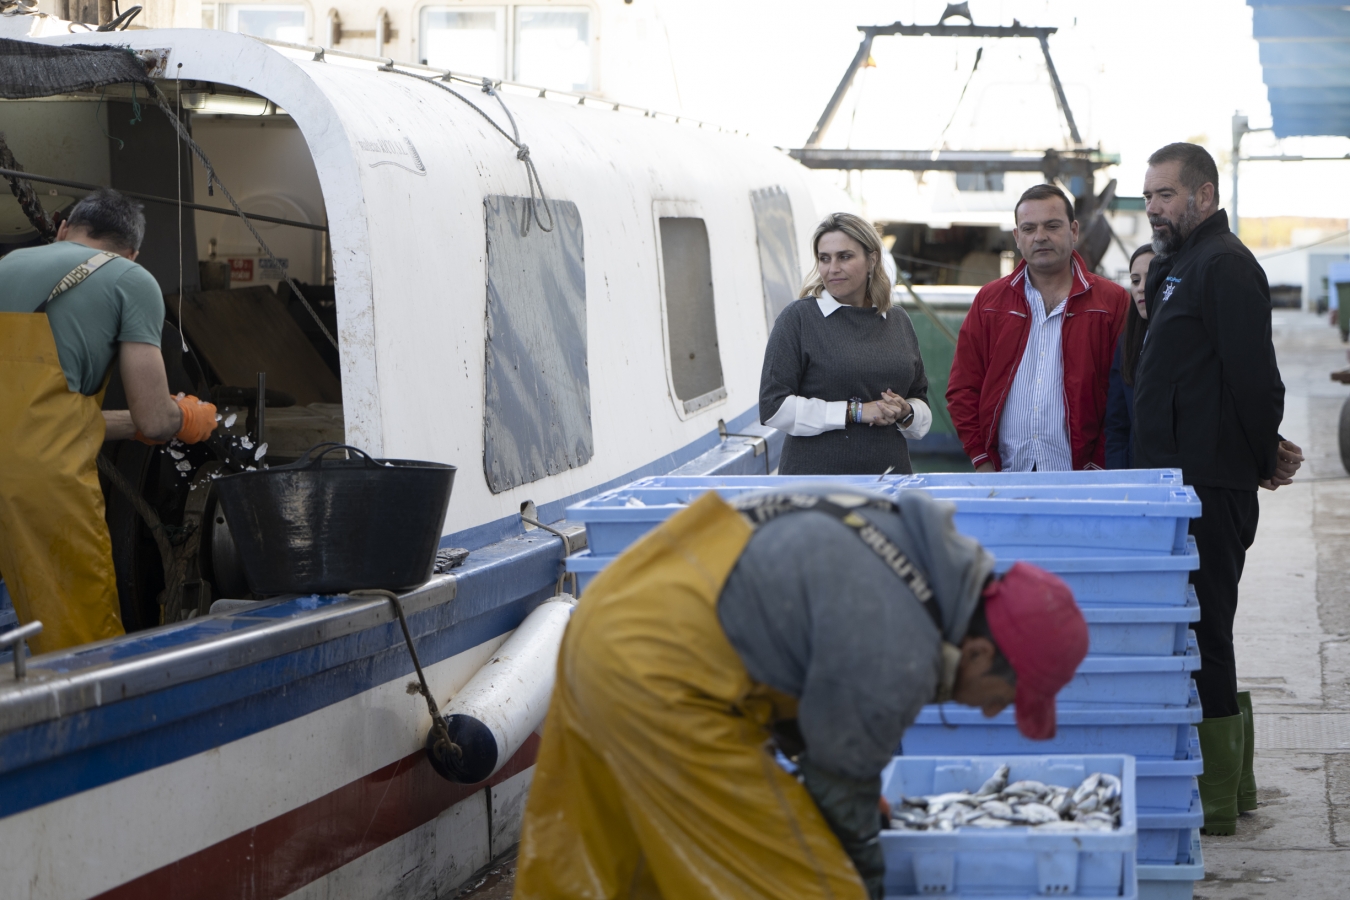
[[120, 302]]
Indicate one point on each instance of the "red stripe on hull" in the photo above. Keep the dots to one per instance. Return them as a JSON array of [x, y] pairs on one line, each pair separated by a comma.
[[282, 855]]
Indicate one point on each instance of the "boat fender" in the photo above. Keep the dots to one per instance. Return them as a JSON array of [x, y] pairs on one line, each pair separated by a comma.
[[505, 701]]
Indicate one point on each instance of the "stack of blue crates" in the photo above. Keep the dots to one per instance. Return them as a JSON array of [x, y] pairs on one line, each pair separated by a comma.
[[1119, 539]]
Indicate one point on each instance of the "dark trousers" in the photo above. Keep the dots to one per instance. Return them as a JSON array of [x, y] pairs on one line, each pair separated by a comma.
[[1223, 533]]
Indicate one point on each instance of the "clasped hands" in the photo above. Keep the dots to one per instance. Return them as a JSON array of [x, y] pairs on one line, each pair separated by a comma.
[[891, 408]]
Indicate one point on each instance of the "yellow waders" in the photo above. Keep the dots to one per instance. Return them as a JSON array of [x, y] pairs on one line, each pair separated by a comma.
[[655, 777], [55, 551]]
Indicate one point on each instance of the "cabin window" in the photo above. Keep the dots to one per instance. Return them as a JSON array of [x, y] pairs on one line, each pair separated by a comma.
[[465, 40], [776, 234], [691, 319], [547, 46], [274, 22], [979, 181], [553, 47], [537, 410]]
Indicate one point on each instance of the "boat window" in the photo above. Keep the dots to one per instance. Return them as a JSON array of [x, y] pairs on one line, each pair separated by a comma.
[[274, 22], [553, 47], [691, 320], [776, 235], [465, 39], [537, 414], [979, 181]]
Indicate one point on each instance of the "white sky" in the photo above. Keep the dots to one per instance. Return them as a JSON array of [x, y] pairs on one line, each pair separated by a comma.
[[1138, 75]]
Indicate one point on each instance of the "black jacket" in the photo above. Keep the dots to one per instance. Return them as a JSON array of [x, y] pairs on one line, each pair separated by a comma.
[[1207, 393], [1119, 415]]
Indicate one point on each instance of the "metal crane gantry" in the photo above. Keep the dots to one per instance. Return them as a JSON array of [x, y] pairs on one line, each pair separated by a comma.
[[1065, 165]]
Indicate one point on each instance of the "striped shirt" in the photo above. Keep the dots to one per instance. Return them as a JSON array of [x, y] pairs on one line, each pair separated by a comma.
[[1033, 433]]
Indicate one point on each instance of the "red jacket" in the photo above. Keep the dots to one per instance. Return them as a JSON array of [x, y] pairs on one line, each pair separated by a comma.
[[989, 350]]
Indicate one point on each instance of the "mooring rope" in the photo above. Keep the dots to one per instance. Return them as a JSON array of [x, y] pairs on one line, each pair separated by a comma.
[[444, 746]]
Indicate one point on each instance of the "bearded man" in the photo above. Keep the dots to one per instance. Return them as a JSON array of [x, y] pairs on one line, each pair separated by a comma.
[[1208, 400]]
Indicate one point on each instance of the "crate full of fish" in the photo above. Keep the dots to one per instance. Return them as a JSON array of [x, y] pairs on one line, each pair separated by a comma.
[[1025, 826], [1141, 630], [1148, 732]]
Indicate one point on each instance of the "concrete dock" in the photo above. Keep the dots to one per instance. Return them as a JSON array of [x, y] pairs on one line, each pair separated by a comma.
[[1293, 649]]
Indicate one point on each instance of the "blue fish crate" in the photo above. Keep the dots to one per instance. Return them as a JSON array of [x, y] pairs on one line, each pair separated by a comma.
[[1013, 522], [1016, 862], [1114, 580], [1175, 881], [1164, 477], [1150, 732], [586, 567], [1164, 835], [1074, 520], [1165, 785], [1141, 630], [1128, 681]]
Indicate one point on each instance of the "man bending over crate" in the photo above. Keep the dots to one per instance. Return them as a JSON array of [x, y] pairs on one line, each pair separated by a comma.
[[813, 622]]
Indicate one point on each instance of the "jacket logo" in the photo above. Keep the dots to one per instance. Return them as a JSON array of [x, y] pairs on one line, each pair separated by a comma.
[[1171, 286]]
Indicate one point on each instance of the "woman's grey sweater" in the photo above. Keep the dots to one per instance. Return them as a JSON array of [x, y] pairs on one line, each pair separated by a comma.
[[851, 353]]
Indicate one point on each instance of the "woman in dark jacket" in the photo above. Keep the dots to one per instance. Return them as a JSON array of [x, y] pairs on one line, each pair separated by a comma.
[[842, 372], [1120, 395]]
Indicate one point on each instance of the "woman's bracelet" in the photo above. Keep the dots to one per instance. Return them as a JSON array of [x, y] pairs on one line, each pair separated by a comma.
[[855, 407]]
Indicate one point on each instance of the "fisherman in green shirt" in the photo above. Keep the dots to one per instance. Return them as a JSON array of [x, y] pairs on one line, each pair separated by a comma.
[[67, 310]]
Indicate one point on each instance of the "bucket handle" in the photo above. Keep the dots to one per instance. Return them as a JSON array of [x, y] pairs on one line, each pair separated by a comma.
[[311, 459]]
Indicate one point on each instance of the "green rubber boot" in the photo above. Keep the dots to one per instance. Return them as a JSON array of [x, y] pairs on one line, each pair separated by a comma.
[[1221, 745], [1246, 798]]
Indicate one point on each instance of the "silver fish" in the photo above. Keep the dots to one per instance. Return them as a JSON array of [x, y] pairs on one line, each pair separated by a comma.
[[1088, 787], [1037, 813], [996, 783]]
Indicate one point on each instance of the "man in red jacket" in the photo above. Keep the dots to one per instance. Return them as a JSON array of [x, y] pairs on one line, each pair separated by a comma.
[[1028, 385]]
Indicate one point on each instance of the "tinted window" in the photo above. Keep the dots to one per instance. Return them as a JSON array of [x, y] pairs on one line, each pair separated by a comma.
[[537, 415], [691, 320], [777, 238]]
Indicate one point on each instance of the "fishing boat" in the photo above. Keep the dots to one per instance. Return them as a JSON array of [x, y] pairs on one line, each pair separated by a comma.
[[555, 294]]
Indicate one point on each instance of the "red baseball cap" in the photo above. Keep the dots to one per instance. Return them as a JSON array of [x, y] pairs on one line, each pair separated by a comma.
[[1040, 631]]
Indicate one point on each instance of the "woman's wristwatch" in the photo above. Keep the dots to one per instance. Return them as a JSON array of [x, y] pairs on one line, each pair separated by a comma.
[[905, 422]]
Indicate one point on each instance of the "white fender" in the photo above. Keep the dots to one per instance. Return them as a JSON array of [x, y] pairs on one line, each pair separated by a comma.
[[494, 714]]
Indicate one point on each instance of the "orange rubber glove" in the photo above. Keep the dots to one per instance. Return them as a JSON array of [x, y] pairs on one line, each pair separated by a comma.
[[199, 419]]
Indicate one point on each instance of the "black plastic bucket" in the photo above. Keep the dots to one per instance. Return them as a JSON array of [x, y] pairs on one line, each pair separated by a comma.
[[327, 526]]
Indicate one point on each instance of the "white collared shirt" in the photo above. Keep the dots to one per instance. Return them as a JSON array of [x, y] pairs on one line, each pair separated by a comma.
[[1033, 433], [810, 416]]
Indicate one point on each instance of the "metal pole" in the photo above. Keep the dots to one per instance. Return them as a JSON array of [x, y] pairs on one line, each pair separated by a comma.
[[831, 108], [1060, 98]]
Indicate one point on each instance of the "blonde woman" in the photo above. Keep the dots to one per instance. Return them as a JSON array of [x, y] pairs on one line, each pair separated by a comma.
[[842, 372]]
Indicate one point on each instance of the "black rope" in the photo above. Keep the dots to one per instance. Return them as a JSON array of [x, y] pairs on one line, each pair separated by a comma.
[[444, 745]]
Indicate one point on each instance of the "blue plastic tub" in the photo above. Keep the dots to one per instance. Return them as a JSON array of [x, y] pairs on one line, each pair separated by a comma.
[[1141, 630], [1144, 732], [1165, 785], [1167, 477], [1018, 522], [1010, 862], [1164, 835], [1173, 882], [1129, 681], [1111, 580], [586, 567]]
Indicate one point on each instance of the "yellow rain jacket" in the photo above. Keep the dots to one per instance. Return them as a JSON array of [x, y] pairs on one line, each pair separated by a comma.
[[656, 778], [55, 550]]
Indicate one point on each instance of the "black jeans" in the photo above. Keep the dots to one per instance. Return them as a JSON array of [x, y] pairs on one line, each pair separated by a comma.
[[1223, 533]]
